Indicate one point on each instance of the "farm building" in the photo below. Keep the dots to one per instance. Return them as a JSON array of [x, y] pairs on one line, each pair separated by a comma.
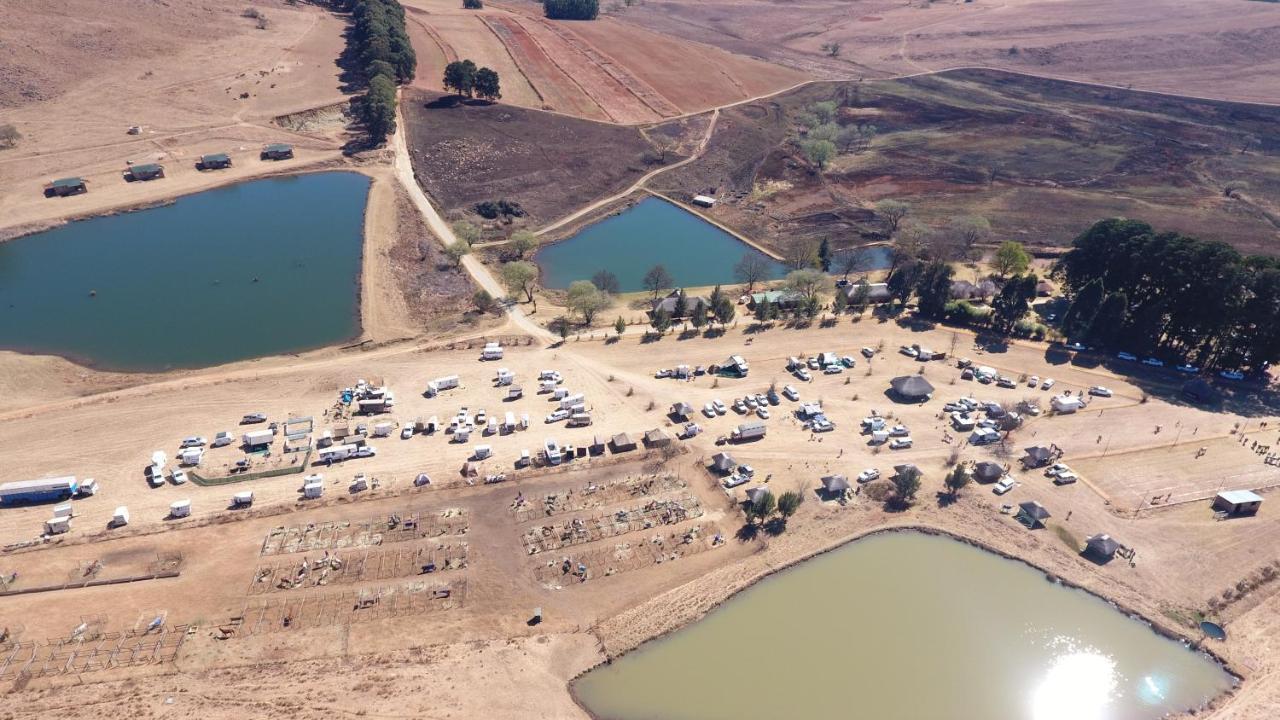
[[277, 151], [671, 304], [911, 388], [63, 187], [785, 299], [215, 161], [144, 172], [705, 201], [656, 438], [876, 292], [1066, 404], [1238, 502], [622, 442]]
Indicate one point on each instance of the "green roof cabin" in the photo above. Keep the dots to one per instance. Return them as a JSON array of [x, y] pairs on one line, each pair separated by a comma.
[[277, 151], [145, 171], [216, 161], [63, 187]]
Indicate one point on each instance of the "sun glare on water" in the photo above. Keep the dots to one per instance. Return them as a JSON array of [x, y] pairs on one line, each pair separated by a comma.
[[1078, 686]]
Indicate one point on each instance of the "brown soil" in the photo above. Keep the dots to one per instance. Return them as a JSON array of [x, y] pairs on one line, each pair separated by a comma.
[[551, 164], [1219, 48], [1041, 159]]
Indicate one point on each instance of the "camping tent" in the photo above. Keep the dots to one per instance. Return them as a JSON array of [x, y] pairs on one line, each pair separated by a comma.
[[835, 484], [1032, 514], [987, 472]]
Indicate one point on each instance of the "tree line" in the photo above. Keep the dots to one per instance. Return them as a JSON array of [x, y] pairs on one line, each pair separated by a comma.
[[1156, 292], [380, 44], [571, 9]]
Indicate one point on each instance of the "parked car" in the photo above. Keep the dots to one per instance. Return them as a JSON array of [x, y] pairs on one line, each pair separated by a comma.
[[1188, 369], [719, 407], [366, 451], [1003, 486], [899, 431], [734, 481], [1048, 383], [751, 402], [193, 441], [868, 352], [1033, 381], [1232, 374], [762, 412], [1065, 478], [558, 415], [178, 477], [1056, 469], [966, 374], [822, 425], [1153, 362], [709, 410], [848, 361], [253, 418], [868, 475], [790, 393], [832, 370], [1100, 391], [772, 397], [963, 363], [480, 416], [908, 351], [746, 471], [406, 432], [814, 364], [900, 443], [803, 374], [1005, 382], [1127, 356], [663, 373], [1078, 347]]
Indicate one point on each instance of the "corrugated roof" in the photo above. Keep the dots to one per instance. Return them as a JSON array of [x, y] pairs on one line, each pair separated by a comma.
[[1240, 497], [68, 182]]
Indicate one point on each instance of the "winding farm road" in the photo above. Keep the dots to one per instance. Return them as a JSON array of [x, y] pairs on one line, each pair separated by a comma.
[[403, 166]]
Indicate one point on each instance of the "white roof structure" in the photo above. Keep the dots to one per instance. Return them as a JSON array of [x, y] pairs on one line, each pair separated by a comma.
[[1240, 497]]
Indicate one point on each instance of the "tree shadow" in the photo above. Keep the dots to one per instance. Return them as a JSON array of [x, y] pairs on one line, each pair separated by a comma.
[[650, 337], [612, 340], [444, 102], [896, 505], [748, 532], [776, 526], [756, 328], [688, 334], [946, 499]]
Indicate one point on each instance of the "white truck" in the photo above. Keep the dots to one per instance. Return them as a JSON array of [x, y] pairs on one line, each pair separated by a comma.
[[337, 453], [749, 431], [383, 429], [509, 423], [258, 438], [567, 403], [57, 525], [579, 419], [440, 384]]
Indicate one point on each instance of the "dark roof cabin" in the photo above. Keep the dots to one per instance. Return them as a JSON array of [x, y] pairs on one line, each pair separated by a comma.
[[656, 438], [145, 171], [669, 303], [1037, 456], [1032, 514], [215, 161], [835, 485], [622, 442], [277, 151], [1101, 546], [987, 472], [681, 411], [755, 494], [723, 463], [63, 187], [911, 388]]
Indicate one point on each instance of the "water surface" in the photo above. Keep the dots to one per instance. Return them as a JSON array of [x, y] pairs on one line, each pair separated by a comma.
[[906, 626], [253, 269], [652, 232]]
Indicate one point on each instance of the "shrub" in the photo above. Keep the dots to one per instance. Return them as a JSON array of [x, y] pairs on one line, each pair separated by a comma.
[[571, 9]]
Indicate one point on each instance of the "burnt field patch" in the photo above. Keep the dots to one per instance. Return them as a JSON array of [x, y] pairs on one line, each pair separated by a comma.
[[1040, 159], [469, 152]]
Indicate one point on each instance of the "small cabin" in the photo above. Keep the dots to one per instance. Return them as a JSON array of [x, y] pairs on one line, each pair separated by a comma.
[[277, 151], [216, 161], [63, 187], [705, 201], [1238, 502], [144, 172]]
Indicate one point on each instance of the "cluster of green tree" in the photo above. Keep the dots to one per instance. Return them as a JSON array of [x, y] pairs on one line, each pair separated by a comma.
[[492, 209], [379, 41], [822, 137], [571, 9], [1154, 292], [771, 513], [472, 4], [719, 309], [930, 282], [464, 78]]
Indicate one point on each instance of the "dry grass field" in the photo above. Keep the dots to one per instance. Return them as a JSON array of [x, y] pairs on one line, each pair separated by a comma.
[[1223, 49], [195, 78], [1041, 159]]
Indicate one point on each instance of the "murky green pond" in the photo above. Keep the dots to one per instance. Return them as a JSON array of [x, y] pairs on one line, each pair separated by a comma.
[[906, 626], [253, 269]]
